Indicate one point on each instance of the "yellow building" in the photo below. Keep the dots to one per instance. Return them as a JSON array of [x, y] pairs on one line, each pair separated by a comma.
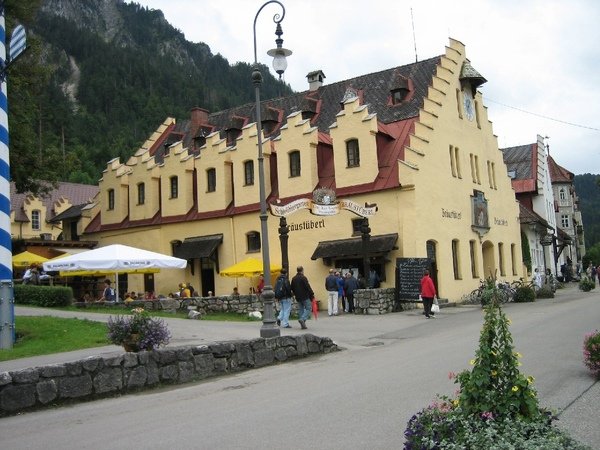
[[413, 140], [33, 217]]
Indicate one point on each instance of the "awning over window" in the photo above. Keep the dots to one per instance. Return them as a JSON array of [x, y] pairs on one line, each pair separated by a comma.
[[352, 248], [198, 247]]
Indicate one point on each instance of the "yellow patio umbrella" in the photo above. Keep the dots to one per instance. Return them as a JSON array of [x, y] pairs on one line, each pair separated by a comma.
[[25, 259], [249, 268]]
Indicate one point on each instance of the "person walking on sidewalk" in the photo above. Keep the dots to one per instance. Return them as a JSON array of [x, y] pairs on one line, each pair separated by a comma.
[[304, 294], [331, 285], [283, 293], [427, 293]]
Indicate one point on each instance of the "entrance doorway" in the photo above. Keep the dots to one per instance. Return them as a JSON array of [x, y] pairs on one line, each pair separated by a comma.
[[431, 249], [149, 282], [207, 276], [489, 261]]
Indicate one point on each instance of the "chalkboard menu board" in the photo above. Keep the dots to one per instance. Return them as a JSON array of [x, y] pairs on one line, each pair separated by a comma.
[[409, 272]]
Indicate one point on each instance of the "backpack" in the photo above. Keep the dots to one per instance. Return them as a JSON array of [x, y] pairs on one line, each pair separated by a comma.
[[111, 295], [280, 288]]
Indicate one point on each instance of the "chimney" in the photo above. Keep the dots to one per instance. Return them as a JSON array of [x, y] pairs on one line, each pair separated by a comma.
[[199, 117], [315, 80]]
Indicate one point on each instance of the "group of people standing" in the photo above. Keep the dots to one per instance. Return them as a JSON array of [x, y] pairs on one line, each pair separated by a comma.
[[340, 287], [337, 286]]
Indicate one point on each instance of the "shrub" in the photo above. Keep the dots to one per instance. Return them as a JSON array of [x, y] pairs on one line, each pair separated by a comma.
[[48, 296], [524, 294], [496, 407], [586, 285], [495, 385], [544, 292], [442, 429], [591, 352], [149, 332], [486, 296]]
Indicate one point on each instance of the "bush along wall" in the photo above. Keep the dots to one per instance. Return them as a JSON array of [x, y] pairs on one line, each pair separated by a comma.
[[48, 296], [104, 376]]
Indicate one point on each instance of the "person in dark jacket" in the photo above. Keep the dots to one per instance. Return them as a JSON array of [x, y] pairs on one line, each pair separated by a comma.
[[283, 293], [304, 294], [350, 285]]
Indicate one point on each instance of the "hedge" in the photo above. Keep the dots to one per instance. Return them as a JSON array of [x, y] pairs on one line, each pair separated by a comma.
[[29, 294]]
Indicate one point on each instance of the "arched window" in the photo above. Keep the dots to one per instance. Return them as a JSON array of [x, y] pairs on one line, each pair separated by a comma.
[[295, 163], [249, 173], [456, 259], [562, 193], [352, 153], [211, 180], [111, 199]]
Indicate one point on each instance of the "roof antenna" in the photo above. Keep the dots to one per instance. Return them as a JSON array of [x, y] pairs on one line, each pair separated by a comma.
[[413, 30], [547, 144]]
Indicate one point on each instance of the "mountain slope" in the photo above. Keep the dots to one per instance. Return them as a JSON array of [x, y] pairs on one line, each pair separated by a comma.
[[113, 71]]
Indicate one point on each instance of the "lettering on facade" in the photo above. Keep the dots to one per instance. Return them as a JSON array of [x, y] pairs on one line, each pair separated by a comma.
[[451, 214], [307, 225], [501, 222], [324, 203]]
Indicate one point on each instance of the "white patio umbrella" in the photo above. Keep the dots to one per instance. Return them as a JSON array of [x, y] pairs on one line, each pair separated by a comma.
[[115, 258]]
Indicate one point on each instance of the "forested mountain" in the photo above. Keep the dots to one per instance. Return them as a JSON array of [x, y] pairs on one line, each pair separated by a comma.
[[587, 187], [98, 77]]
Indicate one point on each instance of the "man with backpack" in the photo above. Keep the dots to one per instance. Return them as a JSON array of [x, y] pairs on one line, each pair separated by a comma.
[[283, 293]]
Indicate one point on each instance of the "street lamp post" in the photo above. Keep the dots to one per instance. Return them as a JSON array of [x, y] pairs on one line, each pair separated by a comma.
[[268, 329]]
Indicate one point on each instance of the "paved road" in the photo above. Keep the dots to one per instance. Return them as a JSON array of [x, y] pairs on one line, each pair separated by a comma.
[[359, 398]]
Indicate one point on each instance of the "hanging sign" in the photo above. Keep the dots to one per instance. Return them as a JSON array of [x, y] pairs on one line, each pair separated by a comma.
[[324, 203]]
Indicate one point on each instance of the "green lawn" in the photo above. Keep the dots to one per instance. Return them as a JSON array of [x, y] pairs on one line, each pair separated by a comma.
[[119, 310], [45, 335]]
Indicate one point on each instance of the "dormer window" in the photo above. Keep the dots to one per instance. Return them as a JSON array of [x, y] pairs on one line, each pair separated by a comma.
[[269, 118], [231, 135], [399, 95], [399, 89], [199, 141], [268, 126]]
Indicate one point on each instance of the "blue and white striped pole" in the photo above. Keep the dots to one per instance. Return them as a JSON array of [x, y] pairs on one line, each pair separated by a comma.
[[7, 310]]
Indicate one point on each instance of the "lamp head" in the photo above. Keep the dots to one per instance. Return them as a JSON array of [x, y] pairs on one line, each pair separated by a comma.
[[279, 53]]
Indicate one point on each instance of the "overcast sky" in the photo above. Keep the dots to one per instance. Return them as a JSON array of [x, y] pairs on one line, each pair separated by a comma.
[[541, 58]]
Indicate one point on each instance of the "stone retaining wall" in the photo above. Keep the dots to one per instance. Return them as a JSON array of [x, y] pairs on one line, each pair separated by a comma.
[[379, 301], [366, 301], [97, 377]]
